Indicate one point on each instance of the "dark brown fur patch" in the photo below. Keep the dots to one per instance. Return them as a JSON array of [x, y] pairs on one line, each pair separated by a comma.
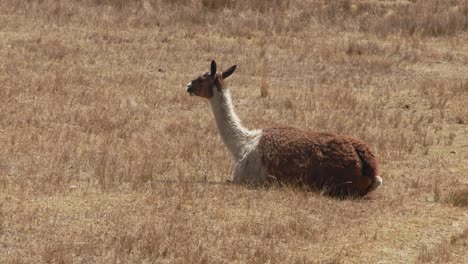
[[338, 164]]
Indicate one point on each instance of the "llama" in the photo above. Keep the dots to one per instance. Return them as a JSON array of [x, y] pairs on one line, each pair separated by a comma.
[[337, 165]]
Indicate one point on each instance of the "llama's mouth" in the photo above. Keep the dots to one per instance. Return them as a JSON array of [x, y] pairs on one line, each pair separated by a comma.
[[189, 90]]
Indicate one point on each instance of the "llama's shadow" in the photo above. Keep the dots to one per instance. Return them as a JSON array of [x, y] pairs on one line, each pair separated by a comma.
[[307, 190], [326, 191]]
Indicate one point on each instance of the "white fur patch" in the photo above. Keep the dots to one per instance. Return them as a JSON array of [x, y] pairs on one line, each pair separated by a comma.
[[377, 183], [249, 168], [241, 142]]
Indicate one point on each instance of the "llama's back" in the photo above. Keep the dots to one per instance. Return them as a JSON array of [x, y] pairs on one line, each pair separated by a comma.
[[320, 160]]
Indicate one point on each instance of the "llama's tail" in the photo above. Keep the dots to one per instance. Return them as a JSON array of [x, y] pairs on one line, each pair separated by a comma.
[[369, 164], [376, 182]]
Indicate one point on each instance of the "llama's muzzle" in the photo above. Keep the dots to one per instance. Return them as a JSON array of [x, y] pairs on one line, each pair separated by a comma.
[[190, 89]]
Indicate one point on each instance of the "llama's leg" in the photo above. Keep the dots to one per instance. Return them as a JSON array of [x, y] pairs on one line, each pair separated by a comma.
[[237, 178], [250, 170], [240, 176]]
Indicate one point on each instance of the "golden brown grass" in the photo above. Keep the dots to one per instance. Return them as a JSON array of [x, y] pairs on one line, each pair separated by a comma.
[[442, 252], [458, 197], [105, 158]]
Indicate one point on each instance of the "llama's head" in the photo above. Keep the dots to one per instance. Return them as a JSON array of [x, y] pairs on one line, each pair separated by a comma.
[[204, 85]]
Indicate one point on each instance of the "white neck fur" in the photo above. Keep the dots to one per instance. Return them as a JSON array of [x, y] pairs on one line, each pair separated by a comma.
[[238, 139]]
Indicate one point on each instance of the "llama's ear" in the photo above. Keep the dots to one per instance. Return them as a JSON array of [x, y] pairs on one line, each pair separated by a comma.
[[213, 69], [229, 71]]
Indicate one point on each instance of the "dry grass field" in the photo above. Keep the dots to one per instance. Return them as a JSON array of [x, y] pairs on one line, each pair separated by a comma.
[[105, 158]]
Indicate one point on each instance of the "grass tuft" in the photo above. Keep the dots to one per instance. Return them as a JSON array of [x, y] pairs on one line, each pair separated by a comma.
[[458, 197]]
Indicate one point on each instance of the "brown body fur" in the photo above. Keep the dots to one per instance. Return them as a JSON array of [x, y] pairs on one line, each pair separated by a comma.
[[337, 164]]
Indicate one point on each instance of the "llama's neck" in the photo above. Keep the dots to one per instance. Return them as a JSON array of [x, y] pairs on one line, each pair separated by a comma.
[[238, 139]]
